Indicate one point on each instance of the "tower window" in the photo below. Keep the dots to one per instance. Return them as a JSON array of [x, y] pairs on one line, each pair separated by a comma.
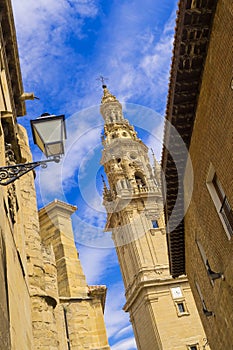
[[155, 224], [193, 347], [181, 307], [140, 180]]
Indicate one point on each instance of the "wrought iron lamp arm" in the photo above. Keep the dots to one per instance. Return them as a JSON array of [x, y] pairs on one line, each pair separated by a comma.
[[10, 173]]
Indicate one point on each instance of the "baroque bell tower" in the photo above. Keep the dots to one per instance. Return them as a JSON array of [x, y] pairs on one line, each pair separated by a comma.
[[162, 310]]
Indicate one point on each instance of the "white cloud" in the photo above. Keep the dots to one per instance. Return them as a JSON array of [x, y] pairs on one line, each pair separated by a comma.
[[34, 18], [124, 331], [116, 319], [155, 62], [137, 56], [125, 344], [83, 130], [131, 48], [46, 31], [155, 141], [96, 263]]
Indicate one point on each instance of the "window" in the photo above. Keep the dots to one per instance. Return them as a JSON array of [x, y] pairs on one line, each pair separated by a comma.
[[225, 209], [220, 201], [140, 180], [181, 307], [193, 347], [155, 224], [179, 301]]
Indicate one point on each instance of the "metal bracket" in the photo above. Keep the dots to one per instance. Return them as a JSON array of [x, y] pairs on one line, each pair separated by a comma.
[[10, 173], [212, 274]]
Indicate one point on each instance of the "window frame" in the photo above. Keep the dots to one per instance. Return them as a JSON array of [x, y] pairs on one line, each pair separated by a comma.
[[182, 309], [220, 200], [196, 345], [178, 302], [155, 222]]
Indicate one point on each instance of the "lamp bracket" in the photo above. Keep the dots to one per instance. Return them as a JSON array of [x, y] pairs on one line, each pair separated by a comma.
[[10, 173]]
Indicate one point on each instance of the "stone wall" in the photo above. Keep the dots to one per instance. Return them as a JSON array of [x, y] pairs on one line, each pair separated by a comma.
[[211, 148], [32, 315], [15, 303], [81, 306]]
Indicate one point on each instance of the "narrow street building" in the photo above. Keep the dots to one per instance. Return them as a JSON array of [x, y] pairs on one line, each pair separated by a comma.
[[45, 302], [199, 183]]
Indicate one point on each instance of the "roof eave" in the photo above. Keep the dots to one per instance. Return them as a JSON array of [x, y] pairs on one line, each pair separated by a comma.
[[192, 36]]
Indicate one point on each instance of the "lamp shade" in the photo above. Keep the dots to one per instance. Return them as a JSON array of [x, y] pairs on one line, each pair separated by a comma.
[[49, 134]]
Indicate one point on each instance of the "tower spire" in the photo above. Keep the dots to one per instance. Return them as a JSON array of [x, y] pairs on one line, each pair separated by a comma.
[[156, 169], [106, 192], [110, 108], [107, 96]]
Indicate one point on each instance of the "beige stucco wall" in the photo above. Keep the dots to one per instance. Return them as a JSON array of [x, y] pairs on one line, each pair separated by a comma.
[[154, 312]]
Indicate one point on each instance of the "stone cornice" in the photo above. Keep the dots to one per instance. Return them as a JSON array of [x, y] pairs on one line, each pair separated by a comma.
[[156, 285], [99, 292], [57, 205]]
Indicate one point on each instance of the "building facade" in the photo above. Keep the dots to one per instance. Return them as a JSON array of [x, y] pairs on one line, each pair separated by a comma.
[[162, 310], [45, 302], [200, 108]]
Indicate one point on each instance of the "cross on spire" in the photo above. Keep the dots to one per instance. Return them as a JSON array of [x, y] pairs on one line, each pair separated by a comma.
[[103, 81]]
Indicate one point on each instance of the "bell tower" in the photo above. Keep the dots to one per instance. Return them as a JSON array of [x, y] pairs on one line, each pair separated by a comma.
[[133, 201]]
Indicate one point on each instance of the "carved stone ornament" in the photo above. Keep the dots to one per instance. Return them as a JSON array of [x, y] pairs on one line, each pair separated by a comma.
[[12, 202], [11, 191]]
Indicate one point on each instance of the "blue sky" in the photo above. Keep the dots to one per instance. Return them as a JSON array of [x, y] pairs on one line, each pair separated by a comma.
[[64, 46]]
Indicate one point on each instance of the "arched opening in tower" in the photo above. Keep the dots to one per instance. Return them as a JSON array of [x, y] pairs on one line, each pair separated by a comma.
[[140, 180]]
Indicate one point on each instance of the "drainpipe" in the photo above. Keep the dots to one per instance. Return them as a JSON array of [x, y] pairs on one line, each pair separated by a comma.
[[67, 328]]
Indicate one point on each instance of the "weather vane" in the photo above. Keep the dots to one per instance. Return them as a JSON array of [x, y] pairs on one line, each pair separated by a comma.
[[103, 80]]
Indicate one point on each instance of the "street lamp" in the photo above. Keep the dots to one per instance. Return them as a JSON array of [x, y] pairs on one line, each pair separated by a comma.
[[49, 134]]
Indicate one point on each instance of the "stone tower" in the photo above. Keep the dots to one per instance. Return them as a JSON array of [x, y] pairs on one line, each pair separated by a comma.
[[162, 310]]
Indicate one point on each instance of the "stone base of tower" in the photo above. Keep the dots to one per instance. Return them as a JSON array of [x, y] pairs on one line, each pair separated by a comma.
[[164, 316]]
